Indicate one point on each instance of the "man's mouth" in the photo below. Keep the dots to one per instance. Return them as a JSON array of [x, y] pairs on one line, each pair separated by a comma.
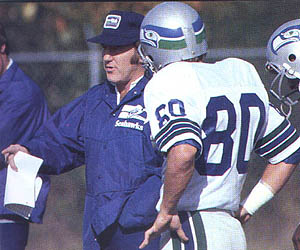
[[109, 68]]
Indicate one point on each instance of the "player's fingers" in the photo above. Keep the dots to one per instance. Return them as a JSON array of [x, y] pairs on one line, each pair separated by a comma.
[[246, 218], [144, 244], [182, 235], [147, 238]]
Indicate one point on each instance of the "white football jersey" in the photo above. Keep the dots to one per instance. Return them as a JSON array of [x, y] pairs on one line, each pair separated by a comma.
[[224, 108]]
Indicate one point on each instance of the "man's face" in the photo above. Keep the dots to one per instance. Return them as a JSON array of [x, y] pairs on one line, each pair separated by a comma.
[[120, 64]]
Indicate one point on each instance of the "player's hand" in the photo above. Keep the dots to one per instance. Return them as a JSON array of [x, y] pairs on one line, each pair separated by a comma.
[[10, 152], [162, 223], [242, 215]]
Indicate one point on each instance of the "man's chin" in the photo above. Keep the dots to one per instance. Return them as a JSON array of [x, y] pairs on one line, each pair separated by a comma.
[[111, 78]]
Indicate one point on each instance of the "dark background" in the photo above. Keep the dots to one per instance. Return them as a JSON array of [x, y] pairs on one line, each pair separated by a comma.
[[61, 27]]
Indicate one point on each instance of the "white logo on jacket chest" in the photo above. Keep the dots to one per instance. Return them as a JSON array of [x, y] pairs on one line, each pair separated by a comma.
[[126, 124], [128, 116], [133, 112]]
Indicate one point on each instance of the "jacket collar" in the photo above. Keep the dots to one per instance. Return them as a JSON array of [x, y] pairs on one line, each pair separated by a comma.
[[7, 77], [9, 74], [110, 96]]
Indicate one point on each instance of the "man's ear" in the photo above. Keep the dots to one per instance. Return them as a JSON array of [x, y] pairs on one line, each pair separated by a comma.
[[2, 48]]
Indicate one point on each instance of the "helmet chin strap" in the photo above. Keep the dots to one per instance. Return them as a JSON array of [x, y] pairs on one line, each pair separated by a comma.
[[147, 62], [286, 102], [286, 109], [280, 75]]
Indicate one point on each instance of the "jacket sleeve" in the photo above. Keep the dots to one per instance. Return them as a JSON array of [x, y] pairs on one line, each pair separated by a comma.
[[60, 141], [23, 109], [22, 112]]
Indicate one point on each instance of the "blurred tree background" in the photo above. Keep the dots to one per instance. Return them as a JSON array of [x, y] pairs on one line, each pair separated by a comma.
[[61, 27]]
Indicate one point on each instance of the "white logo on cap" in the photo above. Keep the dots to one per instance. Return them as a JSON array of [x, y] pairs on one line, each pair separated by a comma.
[[112, 22]]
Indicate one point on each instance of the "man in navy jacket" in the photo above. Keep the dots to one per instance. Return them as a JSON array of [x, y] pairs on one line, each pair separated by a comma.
[[107, 130], [23, 109]]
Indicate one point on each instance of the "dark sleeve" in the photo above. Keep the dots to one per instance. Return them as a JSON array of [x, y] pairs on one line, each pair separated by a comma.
[[60, 141], [294, 158], [23, 109]]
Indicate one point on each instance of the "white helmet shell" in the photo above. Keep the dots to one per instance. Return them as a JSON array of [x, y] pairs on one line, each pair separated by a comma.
[[283, 49], [171, 32]]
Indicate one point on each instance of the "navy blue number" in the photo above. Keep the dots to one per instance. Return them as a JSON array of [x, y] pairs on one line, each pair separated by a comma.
[[161, 119], [172, 104], [217, 136], [174, 112], [247, 101]]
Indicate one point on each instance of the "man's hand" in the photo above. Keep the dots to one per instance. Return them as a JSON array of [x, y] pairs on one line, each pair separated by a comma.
[[162, 223], [242, 215], [10, 152]]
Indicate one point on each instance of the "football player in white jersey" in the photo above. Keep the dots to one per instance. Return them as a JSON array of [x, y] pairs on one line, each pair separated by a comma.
[[207, 119], [283, 59]]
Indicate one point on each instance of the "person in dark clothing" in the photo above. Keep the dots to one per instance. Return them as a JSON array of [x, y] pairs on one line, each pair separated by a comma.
[[106, 129], [23, 109]]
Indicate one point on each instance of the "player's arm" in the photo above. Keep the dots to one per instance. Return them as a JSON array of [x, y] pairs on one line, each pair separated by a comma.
[[180, 167], [179, 171], [280, 145], [274, 178]]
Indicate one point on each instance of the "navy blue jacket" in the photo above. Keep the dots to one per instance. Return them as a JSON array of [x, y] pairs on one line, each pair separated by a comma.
[[23, 109], [122, 167]]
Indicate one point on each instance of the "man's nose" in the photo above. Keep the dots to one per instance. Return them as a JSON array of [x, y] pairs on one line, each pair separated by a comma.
[[107, 56]]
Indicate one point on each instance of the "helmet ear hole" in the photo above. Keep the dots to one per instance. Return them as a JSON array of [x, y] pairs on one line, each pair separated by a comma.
[[292, 57]]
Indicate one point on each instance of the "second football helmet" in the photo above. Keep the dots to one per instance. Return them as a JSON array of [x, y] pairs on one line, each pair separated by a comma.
[[171, 32], [283, 57]]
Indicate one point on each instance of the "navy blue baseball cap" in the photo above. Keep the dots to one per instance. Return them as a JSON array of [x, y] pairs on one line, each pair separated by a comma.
[[120, 28]]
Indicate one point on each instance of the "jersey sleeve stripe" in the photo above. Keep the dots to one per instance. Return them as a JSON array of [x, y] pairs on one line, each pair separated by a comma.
[[176, 128], [171, 123], [177, 133], [280, 148], [265, 140], [281, 138]]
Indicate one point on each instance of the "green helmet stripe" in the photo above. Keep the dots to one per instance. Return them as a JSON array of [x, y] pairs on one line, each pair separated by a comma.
[[172, 45], [200, 37], [179, 44]]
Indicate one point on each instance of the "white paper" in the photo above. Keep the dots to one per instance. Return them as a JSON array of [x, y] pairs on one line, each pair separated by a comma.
[[22, 187], [37, 187]]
